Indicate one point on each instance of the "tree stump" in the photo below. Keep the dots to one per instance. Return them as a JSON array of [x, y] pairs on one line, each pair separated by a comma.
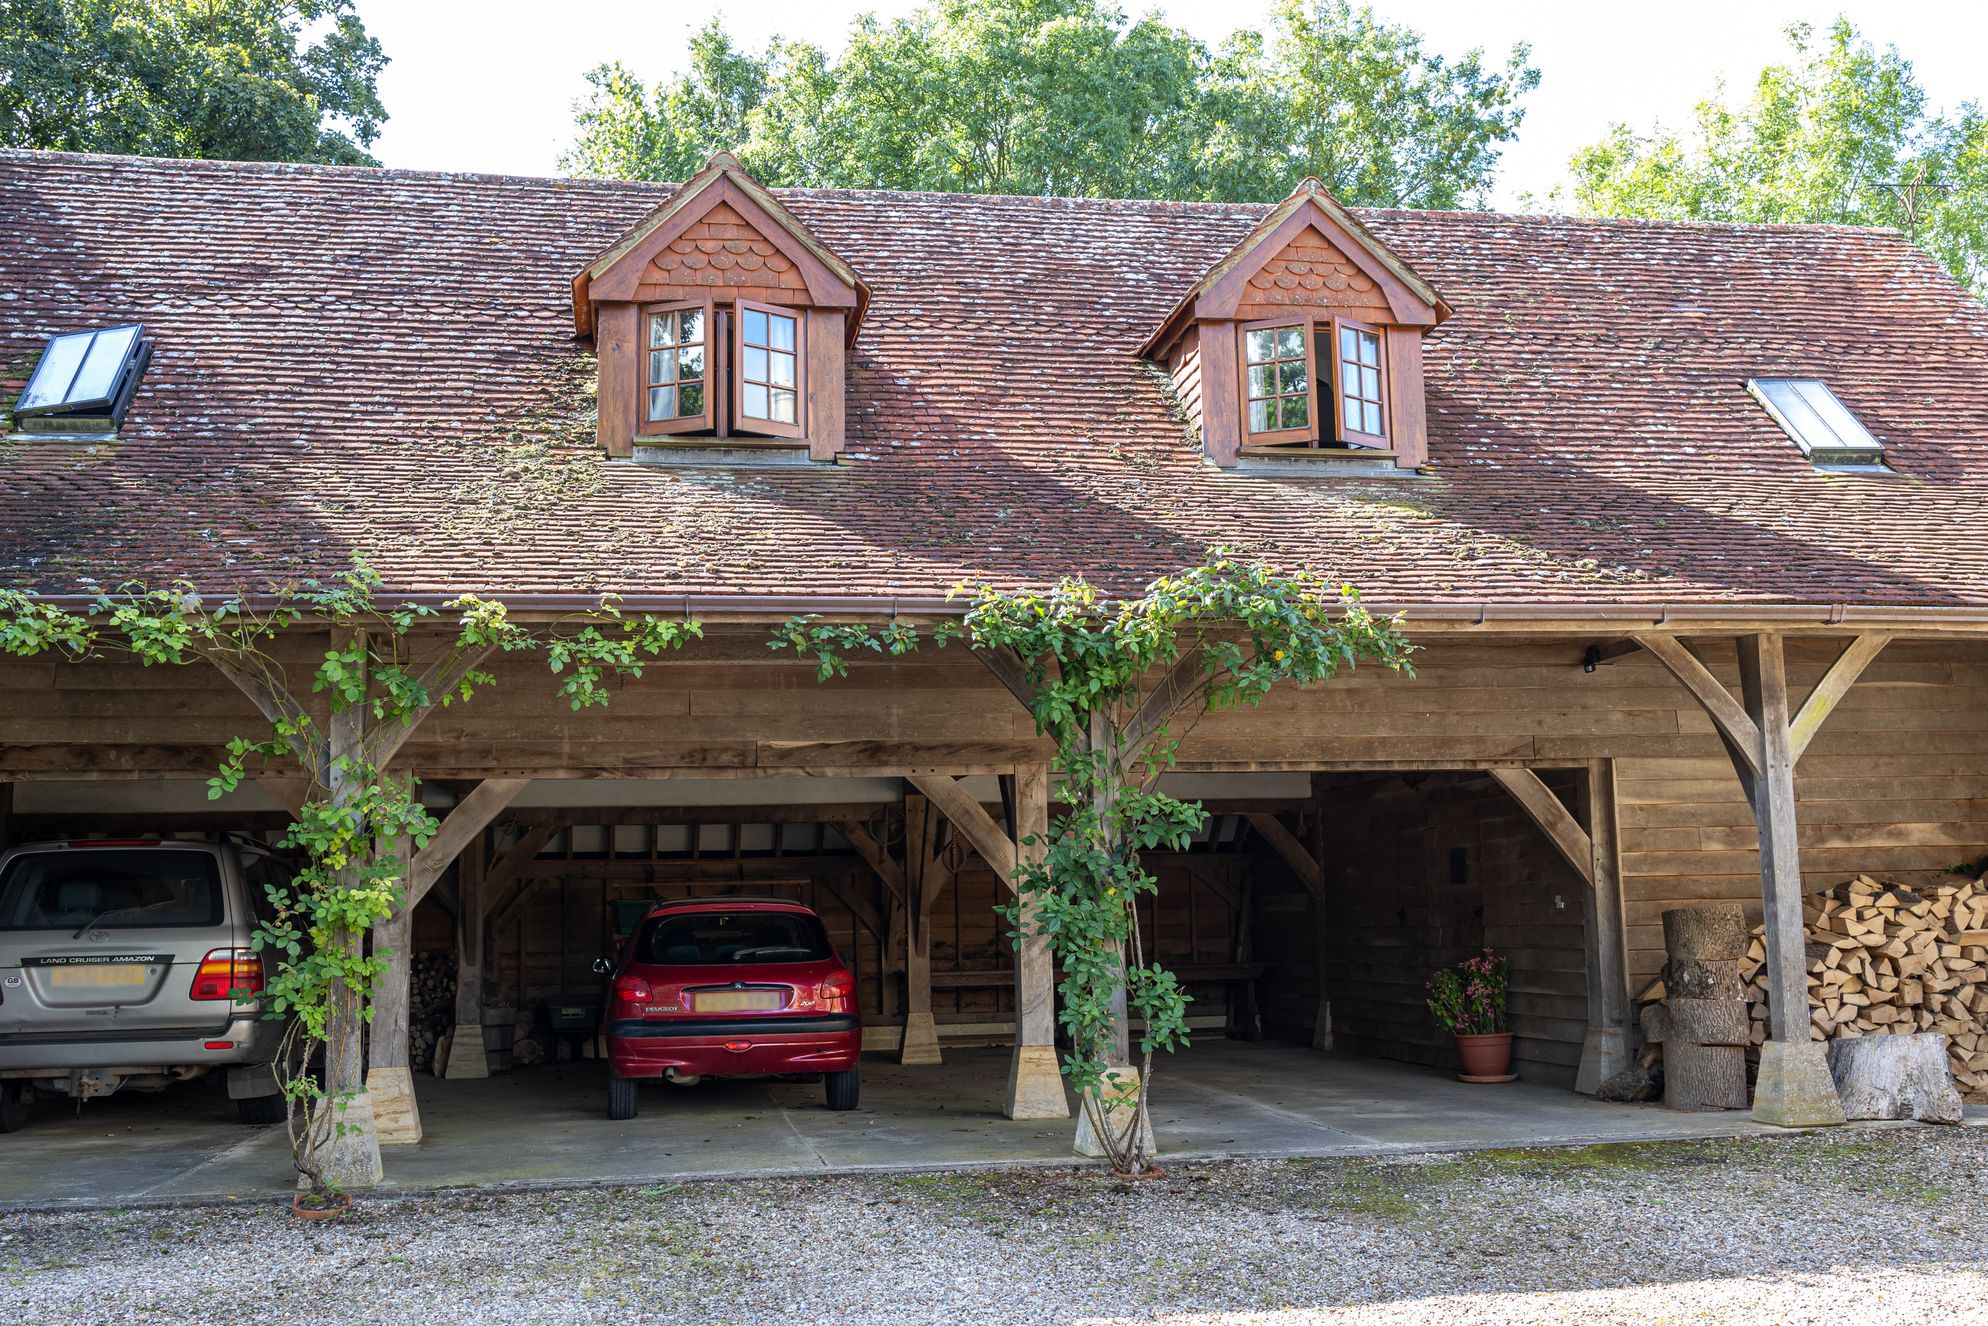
[[1705, 1025], [1895, 1077]]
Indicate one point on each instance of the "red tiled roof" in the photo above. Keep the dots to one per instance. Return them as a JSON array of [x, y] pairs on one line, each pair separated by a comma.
[[383, 361]]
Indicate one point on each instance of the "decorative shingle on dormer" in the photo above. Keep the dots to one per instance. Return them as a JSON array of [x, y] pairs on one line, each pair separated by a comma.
[[1305, 339], [720, 317]]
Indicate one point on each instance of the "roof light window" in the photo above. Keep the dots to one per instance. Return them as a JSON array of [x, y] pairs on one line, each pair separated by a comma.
[[1820, 424], [84, 381]]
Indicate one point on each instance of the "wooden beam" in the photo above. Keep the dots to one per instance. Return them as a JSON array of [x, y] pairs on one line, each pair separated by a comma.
[[1302, 863], [858, 907], [690, 870], [1835, 683], [507, 868], [1741, 735], [972, 821], [1553, 818], [880, 860], [439, 678], [1007, 666], [1168, 695], [465, 820]]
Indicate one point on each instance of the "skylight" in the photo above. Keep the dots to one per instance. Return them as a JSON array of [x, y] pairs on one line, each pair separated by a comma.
[[1820, 424], [84, 381]]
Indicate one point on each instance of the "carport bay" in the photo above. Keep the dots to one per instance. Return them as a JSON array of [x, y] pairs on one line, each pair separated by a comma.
[[1362, 833]]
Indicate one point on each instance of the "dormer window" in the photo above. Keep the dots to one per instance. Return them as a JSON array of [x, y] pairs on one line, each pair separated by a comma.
[[722, 326]]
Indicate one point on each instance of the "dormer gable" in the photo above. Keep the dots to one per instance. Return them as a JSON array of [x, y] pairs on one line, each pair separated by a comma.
[[720, 319], [1304, 340]]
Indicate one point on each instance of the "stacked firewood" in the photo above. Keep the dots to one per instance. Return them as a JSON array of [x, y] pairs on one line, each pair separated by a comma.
[[431, 998], [1884, 958]]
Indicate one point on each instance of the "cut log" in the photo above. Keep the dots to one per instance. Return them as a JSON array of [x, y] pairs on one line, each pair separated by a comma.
[[1713, 933], [1895, 1077], [1633, 1084], [1708, 1021], [1692, 978], [1704, 1077], [1656, 1023]]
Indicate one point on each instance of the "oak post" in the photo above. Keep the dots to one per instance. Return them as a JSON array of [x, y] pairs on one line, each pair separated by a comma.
[[921, 868], [1035, 1084], [466, 1050]]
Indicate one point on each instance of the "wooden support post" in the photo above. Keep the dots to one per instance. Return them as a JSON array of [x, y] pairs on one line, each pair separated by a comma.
[[389, 1077], [1605, 1049], [351, 1155], [467, 1056], [925, 876], [1035, 1084], [1321, 846], [1794, 1089]]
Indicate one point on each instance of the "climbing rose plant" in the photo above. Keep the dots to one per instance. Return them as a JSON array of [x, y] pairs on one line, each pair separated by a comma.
[[1105, 677]]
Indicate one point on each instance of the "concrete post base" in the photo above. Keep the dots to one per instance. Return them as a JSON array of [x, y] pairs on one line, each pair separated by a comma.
[[1035, 1085], [1604, 1053], [1125, 1084], [1795, 1089], [396, 1115], [1322, 1026], [921, 1040], [350, 1157], [467, 1057]]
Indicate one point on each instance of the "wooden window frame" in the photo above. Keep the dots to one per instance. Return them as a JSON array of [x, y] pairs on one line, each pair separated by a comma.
[[742, 423], [689, 423], [1279, 437], [1382, 440]]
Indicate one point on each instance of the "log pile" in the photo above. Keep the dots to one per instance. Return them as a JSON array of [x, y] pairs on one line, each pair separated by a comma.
[[431, 999], [1704, 1031], [1884, 958]]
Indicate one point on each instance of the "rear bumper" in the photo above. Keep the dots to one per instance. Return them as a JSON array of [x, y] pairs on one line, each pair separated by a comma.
[[734, 1047], [246, 1040]]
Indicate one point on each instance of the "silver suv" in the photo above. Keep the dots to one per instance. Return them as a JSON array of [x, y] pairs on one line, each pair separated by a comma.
[[128, 964]]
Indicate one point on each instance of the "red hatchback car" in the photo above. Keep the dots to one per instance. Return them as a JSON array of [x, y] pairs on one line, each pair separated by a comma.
[[730, 987]]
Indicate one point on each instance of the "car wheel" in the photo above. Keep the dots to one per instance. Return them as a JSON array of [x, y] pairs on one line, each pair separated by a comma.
[[843, 1089], [620, 1096], [13, 1105], [262, 1109]]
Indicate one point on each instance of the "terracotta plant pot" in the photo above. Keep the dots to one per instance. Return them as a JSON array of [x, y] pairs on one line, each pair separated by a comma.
[[1486, 1058], [340, 1204]]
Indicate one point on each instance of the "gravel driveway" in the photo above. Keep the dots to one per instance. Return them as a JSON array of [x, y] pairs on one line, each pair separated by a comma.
[[1847, 1228]]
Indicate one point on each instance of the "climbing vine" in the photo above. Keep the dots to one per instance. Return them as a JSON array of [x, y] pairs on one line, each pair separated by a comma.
[[363, 696], [1104, 679]]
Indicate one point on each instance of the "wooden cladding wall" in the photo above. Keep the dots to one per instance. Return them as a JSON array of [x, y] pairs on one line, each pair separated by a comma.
[[1895, 783]]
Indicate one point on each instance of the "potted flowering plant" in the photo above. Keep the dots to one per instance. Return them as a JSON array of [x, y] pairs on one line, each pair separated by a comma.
[[1469, 1002]]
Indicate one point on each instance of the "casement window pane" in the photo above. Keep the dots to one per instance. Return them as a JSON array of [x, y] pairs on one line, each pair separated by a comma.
[[1370, 383], [662, 329], [755, 364], [1260, 417], [690, 363], [1349, 380], [783, 333], [690, 327], [783, 370], [662, 403], [692, 397], [662, 365], [1291, 377], [1373, 417], [783, 407], [1351, 414], [1349, 343], [755, 327], [1297, 412], [1290, 342], [1262, 347], [755, 401], [1370, 349], [1262, 379]]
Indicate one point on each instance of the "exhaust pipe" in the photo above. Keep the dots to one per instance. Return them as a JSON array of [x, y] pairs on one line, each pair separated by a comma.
[[675, 1078]]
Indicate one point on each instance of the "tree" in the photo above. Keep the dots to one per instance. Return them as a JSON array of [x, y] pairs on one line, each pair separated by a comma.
[[1841, 133], [191, 78], [1069, 97]]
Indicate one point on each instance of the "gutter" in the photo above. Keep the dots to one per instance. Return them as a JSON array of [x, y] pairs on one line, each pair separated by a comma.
[[1625, 616]]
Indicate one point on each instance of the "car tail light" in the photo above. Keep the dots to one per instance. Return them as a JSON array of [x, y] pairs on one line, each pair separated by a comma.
[[837, 994], [225, 971], [632, 990]]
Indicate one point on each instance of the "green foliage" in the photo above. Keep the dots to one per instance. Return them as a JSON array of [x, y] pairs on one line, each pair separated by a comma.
[[1841, 133], [275, 80], [1069, 97], [1469, 1000], [829, 644]]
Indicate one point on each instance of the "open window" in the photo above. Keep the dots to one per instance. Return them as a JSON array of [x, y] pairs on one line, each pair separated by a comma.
[[84, 381], [677, 364], [767, 390], [1817, 421], [1359, 382], [1278, 392]]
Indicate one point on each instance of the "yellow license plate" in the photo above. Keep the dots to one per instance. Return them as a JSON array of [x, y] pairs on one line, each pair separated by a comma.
[[98, 975], [735, 1001]]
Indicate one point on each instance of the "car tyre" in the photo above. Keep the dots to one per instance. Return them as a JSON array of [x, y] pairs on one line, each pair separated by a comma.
[[13, 1105], [843, 1088], [263, 1109], [620, 1096]]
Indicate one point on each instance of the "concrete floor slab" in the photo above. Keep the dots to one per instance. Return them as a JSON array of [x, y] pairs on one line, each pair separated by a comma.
[[548, 1126]]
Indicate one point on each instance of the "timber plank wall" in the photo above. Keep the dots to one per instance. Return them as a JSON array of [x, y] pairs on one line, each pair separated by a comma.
[[1896, 783]]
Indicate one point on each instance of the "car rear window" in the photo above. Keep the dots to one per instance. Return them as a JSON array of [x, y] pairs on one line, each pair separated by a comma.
[[709, 938], [127, 889]]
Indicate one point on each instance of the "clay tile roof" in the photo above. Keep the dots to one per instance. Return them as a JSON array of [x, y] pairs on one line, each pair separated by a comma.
[[384, 361]]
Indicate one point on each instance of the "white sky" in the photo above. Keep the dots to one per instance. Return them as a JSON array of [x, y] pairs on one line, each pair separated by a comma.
[[488, 85]]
